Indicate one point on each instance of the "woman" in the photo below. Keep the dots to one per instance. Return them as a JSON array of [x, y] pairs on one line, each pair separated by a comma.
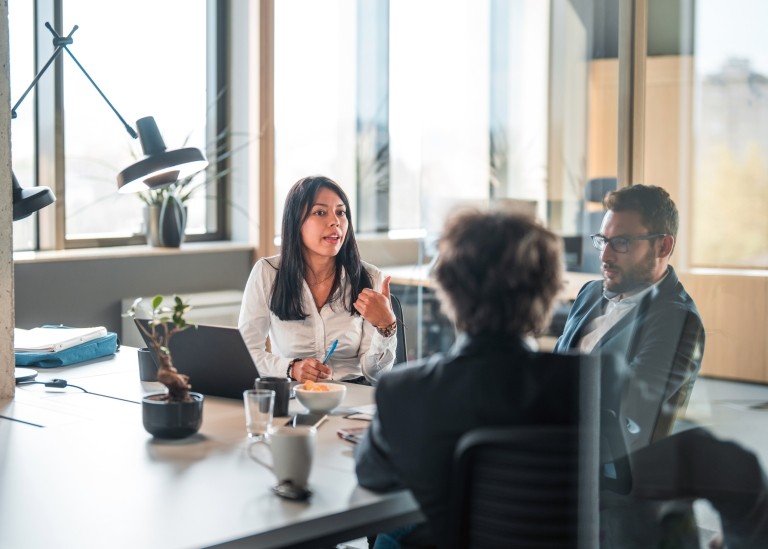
[[316, 291]]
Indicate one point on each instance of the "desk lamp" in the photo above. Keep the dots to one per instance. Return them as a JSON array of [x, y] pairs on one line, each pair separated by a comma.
[[158, 169], [28, 201]]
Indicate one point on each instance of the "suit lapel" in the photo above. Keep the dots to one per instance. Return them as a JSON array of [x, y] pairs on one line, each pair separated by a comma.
[[592, 308]]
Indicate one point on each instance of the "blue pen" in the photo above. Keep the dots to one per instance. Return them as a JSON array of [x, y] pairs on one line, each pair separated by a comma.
[[330, 351]]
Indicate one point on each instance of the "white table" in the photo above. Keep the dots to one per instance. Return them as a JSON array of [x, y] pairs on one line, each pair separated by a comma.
[[78, 470]]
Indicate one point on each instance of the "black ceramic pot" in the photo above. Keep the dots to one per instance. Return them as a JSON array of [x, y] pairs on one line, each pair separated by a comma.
[[163, 419]]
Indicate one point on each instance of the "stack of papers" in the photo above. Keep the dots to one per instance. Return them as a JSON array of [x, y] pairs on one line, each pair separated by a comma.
[[44, 340]]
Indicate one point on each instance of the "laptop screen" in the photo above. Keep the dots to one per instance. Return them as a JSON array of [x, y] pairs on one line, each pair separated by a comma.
[[215, 358]]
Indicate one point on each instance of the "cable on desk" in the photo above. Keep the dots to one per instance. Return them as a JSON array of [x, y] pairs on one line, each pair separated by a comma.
[[21, 421], [62, 383]]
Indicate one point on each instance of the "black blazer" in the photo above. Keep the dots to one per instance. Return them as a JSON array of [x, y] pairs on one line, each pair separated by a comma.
[[661, 341], [425, 407]]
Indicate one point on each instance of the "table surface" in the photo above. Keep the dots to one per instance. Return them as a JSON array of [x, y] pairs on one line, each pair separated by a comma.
[[79, 470]]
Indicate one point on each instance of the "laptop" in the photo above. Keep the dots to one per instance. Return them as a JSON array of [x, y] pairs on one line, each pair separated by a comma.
[[215, 358]]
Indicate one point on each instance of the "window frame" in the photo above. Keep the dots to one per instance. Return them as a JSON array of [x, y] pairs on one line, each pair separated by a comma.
[[49, 120]]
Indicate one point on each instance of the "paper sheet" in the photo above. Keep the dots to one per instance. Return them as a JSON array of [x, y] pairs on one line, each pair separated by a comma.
[[53, 339]]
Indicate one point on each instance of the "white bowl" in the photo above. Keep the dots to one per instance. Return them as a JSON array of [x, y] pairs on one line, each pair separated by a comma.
[[321, 401]]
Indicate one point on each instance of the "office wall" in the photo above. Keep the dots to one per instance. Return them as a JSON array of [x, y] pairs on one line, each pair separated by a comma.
[[88, 291], [734, 309]]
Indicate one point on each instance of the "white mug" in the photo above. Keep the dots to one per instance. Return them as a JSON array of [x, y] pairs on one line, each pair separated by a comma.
[[292, 449]]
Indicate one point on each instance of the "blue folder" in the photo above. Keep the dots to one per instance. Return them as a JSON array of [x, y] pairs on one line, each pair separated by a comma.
[[96, 348]]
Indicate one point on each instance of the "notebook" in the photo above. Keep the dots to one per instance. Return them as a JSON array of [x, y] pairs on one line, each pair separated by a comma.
[[214, 357], [54, 338]]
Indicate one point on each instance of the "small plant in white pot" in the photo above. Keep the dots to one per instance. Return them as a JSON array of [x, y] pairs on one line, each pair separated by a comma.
[[177, 412]]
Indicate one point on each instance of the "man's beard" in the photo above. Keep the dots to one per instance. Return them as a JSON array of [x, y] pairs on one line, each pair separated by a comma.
[[633, 277]]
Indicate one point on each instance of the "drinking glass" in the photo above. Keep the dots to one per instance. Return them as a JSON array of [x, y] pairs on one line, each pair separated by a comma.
[[259, 404]]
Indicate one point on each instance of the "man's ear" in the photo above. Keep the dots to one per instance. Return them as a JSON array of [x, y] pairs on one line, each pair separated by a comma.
[[666, 246]]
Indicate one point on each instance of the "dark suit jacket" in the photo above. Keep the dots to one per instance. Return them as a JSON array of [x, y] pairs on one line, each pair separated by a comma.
[[424, 408], [661, 341]]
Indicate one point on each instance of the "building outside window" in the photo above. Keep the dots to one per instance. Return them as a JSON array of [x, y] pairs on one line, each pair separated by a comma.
[[729, 198]]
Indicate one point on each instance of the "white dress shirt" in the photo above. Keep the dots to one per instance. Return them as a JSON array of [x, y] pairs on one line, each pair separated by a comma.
[[619, 305], [362, 350]]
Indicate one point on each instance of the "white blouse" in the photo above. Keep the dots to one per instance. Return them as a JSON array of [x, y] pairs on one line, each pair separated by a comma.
[[362, 350]]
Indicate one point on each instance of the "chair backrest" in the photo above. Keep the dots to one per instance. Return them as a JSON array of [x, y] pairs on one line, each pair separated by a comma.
[[676, 404], [401, 355], [670, 409], [524, 487]]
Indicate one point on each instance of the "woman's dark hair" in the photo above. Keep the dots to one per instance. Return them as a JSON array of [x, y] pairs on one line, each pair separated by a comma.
[[286, 298], [498, 273]]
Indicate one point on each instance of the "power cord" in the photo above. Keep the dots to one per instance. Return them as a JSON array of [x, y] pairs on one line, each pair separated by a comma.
[[62, 383]]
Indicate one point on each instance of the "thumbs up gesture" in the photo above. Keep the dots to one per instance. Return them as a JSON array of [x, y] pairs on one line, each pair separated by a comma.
[[375, 307], [385, 287]]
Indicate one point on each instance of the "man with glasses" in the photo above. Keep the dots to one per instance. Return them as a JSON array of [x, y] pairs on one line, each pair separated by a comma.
[[639, 313]]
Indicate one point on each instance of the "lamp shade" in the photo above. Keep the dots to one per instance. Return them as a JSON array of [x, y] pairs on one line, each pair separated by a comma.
[[28, 201], [160, 167]]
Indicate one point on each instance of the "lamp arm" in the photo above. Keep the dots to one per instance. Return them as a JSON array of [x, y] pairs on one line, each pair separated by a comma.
[[61, 43]]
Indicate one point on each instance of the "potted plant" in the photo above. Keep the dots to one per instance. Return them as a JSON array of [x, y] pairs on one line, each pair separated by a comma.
[[165, 217], [165, 212], [176, 412]]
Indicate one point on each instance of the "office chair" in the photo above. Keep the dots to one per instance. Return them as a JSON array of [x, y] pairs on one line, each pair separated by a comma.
[[692, 343], [524, 487], [401, 353], [669, 475]]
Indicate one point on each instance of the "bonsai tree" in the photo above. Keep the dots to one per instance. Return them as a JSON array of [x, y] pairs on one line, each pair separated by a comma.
[[165, 323]]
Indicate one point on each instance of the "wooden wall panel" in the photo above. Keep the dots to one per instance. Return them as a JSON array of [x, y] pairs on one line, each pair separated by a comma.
[[603, 118], [668, 99], [734, 310]]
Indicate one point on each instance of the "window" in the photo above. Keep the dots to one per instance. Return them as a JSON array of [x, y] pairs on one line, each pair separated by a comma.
[[385, 102], [392, 105], [414, 118], [145, 66], [21, 37], [729, 195], [314, 94]]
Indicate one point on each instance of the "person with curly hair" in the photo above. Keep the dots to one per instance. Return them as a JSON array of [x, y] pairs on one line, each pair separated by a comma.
[[498, 275]]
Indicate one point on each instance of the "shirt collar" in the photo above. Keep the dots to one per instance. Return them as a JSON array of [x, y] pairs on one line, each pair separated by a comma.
[[635, 295]]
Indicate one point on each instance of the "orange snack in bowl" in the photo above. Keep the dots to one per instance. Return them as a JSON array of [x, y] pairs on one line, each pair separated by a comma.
[[312, 386]]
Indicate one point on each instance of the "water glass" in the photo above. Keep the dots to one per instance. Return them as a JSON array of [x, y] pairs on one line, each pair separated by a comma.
[[259, 405]]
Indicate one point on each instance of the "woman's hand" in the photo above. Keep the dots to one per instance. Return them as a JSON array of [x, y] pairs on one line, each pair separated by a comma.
[[375, 307], [310, 369]]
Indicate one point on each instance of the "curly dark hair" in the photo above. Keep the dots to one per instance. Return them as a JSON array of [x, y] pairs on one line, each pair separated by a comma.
[[653, 203], [498, 273], [286, 299]]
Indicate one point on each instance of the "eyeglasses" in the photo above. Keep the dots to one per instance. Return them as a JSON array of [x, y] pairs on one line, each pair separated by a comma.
[[619, 244]]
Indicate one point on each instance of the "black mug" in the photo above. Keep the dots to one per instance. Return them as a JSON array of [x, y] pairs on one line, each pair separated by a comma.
[[282, 388], [147, 366]]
